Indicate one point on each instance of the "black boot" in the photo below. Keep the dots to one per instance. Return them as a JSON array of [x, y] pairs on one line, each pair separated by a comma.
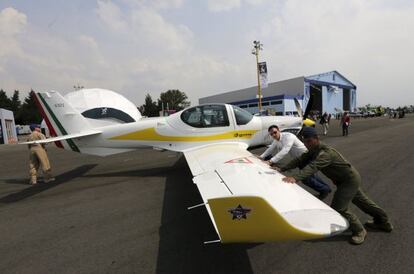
[[384, 226], [358, 237]]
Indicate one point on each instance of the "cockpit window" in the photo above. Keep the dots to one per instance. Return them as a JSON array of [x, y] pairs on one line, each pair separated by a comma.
[[206, 116], [243, 117]]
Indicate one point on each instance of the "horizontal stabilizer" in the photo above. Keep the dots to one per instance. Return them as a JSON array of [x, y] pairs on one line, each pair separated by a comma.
[[64, 137]]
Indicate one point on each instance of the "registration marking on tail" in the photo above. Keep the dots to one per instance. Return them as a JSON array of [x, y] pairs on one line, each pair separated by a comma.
[[71, 144]]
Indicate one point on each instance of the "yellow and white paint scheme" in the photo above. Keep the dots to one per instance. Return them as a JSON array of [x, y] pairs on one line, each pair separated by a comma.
[[228, 176], [246, 199], [171, 132]]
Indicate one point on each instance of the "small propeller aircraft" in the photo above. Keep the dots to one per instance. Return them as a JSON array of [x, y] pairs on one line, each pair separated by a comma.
[[246, 199]]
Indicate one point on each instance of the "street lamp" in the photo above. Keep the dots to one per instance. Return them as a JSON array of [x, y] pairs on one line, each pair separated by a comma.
[[78, 87], [256, 48]]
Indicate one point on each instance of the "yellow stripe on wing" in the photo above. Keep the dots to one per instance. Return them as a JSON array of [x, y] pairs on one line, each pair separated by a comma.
[[150, 134], [252, 219]]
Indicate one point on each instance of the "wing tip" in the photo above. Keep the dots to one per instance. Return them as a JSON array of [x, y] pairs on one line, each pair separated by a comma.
[[253, 219]]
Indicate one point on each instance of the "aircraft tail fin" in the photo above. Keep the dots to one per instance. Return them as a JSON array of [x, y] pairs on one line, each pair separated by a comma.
[[61, 117]]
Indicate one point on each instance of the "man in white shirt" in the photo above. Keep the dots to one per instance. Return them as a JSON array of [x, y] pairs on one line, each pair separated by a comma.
[[286, 143]]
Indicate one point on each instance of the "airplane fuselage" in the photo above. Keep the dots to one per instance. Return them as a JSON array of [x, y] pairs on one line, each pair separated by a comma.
[[181, 131]]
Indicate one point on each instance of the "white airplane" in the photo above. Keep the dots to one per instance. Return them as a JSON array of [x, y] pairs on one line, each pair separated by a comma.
[[246, 199]]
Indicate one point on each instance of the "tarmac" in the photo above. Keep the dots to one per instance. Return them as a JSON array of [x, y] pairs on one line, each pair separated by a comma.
[[127, 213]]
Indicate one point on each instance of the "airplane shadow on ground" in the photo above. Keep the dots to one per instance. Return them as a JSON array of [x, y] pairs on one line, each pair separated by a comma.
[[337, 238], [183, 232], [40, 187], [158, 171]]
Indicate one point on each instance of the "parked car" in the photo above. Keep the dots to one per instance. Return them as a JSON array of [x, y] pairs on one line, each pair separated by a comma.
[[23, 129], [355, 114]]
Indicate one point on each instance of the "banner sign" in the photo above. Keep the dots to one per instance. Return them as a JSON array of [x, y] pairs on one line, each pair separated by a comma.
[[263, 74]]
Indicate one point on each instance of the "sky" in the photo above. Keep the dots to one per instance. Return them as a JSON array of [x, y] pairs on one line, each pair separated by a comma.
[[139, 47]]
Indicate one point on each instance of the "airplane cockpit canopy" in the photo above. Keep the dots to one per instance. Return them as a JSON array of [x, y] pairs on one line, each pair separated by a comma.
[[206, 116], [243, 117]]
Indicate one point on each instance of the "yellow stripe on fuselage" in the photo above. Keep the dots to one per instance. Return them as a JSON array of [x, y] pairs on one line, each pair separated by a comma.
[[150, 134]]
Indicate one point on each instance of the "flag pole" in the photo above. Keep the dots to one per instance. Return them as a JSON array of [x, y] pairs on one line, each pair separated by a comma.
[[255, 51]]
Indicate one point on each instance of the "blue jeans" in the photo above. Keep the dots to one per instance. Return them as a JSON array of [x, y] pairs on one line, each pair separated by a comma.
[[317, 184]]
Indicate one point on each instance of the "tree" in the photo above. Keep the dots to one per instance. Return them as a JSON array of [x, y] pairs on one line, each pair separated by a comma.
[[150, 108], [141, 109], [15, 102], [15, 106], [4, 100], [173, 99], [29, 113]]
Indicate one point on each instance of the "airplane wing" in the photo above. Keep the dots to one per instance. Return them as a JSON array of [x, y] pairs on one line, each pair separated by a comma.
[[248, 202], [63, 137]]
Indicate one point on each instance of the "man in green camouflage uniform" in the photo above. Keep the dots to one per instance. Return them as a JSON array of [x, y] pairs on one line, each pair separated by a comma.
[[347, 180]]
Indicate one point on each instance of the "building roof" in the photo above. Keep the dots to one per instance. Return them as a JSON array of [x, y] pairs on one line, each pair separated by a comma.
[[293, 87], [333, 78]]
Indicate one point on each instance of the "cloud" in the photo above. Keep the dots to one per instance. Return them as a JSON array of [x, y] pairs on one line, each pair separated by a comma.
[[157, 4], [12, 24], [139, 47], [368, 42], [227, 5], [145, 26], [164, 4], [138, 51], [255, 2], [92, 52], [111, 15], [223, 5], [42, 60], [192, 74], [150, 28]]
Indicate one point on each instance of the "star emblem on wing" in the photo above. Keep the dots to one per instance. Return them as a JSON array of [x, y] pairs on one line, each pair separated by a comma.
[[239, 212]]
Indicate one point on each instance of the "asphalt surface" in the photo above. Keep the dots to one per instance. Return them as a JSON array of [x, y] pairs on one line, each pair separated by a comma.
[[127, 214]]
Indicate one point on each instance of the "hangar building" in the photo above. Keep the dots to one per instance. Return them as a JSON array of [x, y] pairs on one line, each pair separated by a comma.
[[332, 93]]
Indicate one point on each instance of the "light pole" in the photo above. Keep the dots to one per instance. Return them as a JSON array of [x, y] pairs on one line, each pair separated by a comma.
[[256, 48], [78, 87]]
